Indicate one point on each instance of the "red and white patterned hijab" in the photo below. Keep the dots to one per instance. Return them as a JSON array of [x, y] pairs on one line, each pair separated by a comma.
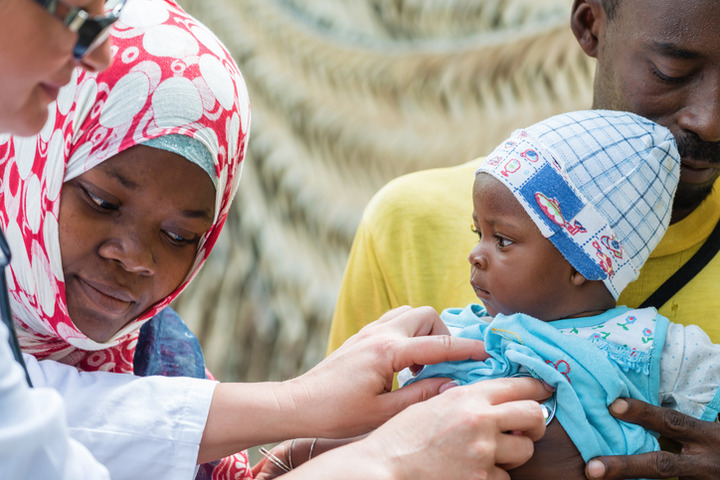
[[170, 75]]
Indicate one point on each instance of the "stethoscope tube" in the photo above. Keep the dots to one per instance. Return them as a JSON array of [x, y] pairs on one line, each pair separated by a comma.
[[5, 307]]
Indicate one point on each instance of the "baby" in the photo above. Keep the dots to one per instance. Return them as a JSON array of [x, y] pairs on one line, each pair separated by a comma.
[[567, 211]]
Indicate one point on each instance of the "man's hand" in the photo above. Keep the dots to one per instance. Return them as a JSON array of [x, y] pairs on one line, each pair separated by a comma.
[[699, 443]]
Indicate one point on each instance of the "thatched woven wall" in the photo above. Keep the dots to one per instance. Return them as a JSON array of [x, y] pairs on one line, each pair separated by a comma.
[[347, 94]]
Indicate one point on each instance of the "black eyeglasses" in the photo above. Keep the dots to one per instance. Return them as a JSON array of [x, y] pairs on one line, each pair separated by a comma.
[[92, 30]]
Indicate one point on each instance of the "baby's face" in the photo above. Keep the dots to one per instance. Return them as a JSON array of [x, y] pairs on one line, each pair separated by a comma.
[[129, 232], [514, 268]]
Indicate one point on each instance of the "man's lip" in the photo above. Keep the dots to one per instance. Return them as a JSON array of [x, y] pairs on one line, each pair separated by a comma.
[[692, 171], [697, 164]]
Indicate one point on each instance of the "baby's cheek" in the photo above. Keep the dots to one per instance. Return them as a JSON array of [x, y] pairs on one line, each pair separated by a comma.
[[555, 457]]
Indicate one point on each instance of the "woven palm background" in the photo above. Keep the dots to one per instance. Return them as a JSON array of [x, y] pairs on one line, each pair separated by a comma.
[[346, 95]]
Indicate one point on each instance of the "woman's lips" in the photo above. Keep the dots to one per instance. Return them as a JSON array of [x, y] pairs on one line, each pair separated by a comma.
[[105, 298]]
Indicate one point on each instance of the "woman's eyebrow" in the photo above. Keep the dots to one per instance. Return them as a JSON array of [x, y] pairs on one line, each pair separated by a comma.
[[124, 181], [202, 214]]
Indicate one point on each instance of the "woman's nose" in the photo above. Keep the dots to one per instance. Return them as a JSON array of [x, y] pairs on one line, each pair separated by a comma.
[[132, 252]]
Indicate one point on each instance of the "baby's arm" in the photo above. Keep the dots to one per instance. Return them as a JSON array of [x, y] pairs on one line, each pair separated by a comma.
[[690, 372]]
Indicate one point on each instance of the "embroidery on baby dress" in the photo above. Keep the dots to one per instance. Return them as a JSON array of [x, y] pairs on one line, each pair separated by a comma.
[[628, 339]]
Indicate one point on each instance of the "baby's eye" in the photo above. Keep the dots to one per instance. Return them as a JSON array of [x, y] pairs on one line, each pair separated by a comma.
[[476, 231], [100, 202], [503, 242]]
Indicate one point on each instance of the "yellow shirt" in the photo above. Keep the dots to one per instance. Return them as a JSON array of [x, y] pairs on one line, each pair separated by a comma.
[[412, 245], [699, 301]]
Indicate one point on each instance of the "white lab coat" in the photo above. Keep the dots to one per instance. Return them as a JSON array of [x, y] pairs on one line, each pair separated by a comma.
[[34, 439], [135, 428]]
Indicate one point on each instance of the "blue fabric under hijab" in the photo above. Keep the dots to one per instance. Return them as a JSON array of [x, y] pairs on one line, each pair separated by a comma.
[[577, 357], [189, 148], [167, 347]]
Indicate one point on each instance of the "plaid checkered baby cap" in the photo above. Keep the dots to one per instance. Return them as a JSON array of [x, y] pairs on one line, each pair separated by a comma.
[[598, 184]]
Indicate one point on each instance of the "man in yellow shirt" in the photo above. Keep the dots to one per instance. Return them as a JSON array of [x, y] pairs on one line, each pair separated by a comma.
[[657, 58]]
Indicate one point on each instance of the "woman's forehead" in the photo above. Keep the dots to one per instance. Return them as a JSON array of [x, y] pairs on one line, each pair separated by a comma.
[[160, 174]]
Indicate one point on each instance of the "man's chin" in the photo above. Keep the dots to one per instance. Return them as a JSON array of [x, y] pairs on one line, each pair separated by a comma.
[[689, 196]]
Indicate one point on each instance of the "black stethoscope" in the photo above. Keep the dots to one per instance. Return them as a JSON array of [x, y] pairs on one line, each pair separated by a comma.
[[5, 307]]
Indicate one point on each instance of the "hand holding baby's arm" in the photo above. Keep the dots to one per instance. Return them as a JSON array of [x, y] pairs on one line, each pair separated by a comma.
[[698, 459]]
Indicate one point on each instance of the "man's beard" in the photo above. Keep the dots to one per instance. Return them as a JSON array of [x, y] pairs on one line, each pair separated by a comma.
[[690, 146]]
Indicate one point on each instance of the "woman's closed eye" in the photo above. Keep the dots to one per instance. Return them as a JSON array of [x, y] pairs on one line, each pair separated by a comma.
[[181, 240], [98, 201]]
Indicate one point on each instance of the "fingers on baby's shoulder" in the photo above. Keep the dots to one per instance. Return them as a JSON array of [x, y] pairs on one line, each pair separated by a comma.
[[502, 390], [392, 314], [666, 421], [406, 320], [657, 464], [433, 349]]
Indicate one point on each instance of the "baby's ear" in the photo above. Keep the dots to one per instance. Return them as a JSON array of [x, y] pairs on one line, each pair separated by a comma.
[[576, 278]]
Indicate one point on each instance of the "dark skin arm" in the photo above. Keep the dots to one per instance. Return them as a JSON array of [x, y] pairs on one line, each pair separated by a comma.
[[698, 446], [555, 457]]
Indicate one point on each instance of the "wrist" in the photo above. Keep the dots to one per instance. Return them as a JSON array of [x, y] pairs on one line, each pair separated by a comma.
[[316, 412], [295, 405], [246, 414]]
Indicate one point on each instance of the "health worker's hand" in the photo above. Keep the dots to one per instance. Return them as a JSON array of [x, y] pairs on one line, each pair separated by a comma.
[[350, 392], [347, 394], [470, 432]]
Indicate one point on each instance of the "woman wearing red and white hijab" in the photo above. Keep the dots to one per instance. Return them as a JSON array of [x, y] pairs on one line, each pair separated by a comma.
[[173, 91]]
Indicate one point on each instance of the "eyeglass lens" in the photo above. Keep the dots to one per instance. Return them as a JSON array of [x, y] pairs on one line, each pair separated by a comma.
[[95, 30], [92, 30]]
